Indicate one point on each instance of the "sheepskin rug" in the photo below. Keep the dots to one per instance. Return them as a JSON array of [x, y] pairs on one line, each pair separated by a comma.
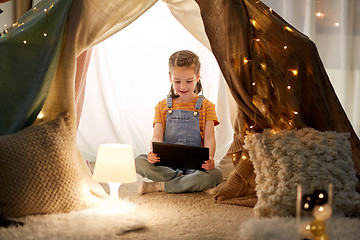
[[106, 221], [307, 157], [285, 229]]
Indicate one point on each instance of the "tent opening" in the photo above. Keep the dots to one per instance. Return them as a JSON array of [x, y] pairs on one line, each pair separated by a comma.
[[128, 76]]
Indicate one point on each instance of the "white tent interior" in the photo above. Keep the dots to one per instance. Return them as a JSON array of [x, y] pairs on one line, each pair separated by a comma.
[[128, 75]]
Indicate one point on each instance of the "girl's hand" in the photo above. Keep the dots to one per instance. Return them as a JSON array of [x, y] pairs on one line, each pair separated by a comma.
[[153, 157], [209, 164]]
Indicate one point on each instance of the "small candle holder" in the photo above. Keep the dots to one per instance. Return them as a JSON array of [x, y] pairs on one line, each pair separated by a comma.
[[313, 209]]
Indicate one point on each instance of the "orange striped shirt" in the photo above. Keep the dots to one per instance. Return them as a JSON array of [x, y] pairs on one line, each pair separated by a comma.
[[206, 113]]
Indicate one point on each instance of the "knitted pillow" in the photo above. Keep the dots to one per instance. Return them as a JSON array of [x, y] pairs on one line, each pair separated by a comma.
[[308, 157], [39, 171]]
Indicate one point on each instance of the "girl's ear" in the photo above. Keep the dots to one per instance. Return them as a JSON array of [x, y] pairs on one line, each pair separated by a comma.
[[198, 77], [170, 77]]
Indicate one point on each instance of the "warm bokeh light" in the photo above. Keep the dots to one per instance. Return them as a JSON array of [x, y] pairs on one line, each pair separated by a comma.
[[40, 115], [253, 22], [288, 29]]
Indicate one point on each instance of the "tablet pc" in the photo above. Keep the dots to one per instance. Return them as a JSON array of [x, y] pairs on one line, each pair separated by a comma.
[[180, 156]]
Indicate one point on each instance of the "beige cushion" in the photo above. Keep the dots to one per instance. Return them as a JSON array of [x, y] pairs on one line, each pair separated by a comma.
[[307, 157], [239, 188], [39, 171]]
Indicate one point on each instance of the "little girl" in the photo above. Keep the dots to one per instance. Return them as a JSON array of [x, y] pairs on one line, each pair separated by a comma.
[[182, 118]]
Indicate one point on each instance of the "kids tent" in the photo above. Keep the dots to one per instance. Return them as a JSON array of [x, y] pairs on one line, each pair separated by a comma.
[[44, 59]]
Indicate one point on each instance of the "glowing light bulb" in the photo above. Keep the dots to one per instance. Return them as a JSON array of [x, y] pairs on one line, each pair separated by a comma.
[[288, 29], [243, 157], [45, 10], [253, 22], [251, 127], [317, 228], [270, 9], [337, 24], [258, 40], [322, 212], [296, 113], [25, 42], [319, 14], [295, 72], [304, 230], [45, 34], [285, 47], [274, 131], [253, 84], [40, 115], [245, 60], [288, 87]]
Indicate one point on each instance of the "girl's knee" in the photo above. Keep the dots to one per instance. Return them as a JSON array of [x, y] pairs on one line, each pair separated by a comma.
[[140, 161], [217, 175]]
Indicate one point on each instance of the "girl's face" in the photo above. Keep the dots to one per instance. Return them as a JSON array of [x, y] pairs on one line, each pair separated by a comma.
[[184, 80]]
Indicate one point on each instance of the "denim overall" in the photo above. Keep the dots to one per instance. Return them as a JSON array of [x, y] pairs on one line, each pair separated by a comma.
[[182, 127]]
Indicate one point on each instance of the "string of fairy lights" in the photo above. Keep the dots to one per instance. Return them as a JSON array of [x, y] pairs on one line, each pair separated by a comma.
[[19, 24], [293, 71], [292, 74], [45, 9]]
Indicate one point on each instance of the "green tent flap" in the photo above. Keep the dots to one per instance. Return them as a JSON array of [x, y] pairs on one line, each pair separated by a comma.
[[29, 54]]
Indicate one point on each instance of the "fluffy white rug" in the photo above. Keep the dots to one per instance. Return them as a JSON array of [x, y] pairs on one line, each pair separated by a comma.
[[338, 228], [105, 221]]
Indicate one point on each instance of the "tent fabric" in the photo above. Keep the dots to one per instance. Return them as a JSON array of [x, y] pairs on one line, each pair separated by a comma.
[[258, 53], [82, 65], [22, 6], [187, 12], [89, 23], [37, 58]]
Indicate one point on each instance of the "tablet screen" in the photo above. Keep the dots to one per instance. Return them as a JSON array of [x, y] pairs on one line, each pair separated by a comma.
[[180, 156]]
